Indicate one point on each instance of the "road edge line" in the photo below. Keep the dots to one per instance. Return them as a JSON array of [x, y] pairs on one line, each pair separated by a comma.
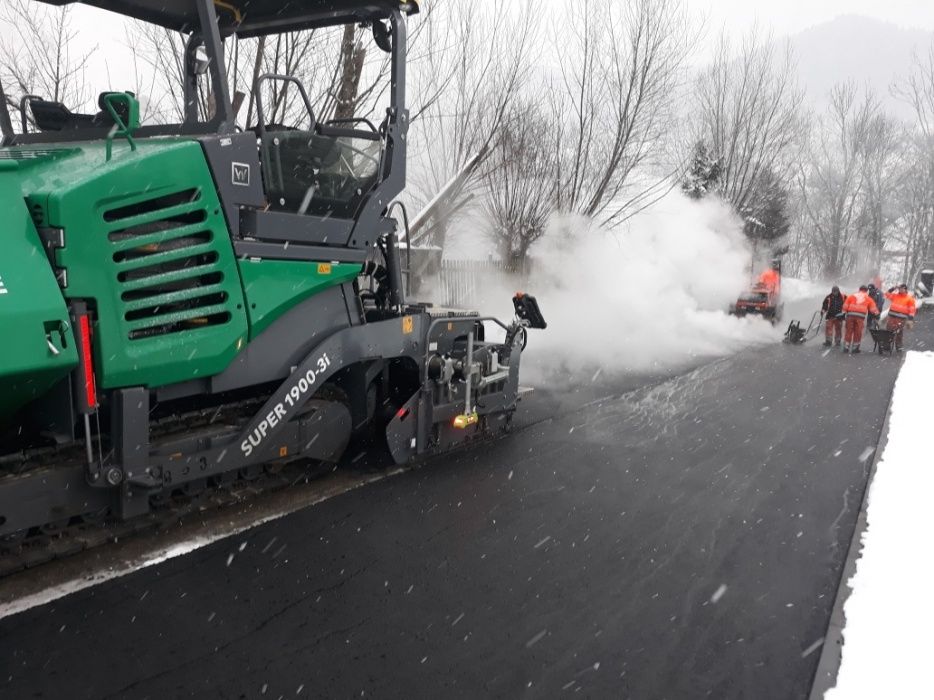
[[166, 552]]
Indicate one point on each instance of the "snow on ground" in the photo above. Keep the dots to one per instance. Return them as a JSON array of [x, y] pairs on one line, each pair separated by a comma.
[[890, 612], [794, 289]]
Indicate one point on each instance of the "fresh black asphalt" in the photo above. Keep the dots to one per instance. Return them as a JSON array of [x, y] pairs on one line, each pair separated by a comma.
[[681, 540]]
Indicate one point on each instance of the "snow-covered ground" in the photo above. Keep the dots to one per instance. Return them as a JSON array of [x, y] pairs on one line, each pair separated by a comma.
[[887, 648], [794, 289]]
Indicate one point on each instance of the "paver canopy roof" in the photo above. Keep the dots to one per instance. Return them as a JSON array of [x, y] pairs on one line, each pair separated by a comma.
[[250, 17]]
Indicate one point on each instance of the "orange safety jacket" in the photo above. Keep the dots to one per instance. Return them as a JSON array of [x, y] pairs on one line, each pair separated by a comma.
[[860, 305], [903, 305], [770, 279]]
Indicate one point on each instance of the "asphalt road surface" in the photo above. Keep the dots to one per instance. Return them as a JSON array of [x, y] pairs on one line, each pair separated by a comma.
[[681, 540]]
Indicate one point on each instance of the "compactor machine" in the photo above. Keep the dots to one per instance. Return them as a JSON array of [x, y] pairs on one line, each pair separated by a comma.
[[184, 305], [764, 297]]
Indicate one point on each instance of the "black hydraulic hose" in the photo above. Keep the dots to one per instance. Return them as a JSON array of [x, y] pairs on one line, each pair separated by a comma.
[[394, 268], [408, 241], [6, 126], [819, 317]]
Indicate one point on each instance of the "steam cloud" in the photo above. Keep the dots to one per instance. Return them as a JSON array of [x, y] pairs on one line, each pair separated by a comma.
[[648, 298]]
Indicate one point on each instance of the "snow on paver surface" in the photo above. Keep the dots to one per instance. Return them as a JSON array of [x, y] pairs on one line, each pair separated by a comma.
[[890, 612]]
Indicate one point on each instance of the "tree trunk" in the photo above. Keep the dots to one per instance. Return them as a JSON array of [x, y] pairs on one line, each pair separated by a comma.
[[352, 57], [257, 69]]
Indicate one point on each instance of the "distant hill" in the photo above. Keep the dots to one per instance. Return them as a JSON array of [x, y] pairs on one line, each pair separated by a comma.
[[851, 47]]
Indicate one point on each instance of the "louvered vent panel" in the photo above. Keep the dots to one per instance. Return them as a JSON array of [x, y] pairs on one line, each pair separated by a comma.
[[167, 265]]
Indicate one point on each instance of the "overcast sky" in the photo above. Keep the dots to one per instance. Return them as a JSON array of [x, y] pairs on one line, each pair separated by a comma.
[[736, 16], [791, 16], [782, 17], [785, 16]]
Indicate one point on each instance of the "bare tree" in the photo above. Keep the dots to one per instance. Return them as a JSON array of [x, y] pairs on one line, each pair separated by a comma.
[[476, 60], [801, 260], [521, 182], [159, 56], [41, 60], [833, 182], [883, 170], [353, 55], [340, 67], [917, 90], [916, 193], [749, 112], [163, 51], [621, 65], [914, 197]]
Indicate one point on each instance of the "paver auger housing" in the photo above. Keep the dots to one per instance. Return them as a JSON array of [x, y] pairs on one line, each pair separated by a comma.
[[185, 304]]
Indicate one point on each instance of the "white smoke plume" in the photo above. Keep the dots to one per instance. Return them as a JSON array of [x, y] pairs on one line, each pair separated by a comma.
[[648, 298]]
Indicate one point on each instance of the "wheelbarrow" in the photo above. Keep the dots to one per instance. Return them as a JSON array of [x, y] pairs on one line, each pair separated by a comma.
[[883, 340]]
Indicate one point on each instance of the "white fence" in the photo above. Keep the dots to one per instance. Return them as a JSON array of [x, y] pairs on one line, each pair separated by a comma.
[[463, 283]]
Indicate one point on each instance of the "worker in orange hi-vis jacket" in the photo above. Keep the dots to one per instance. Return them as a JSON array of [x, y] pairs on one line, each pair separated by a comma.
[[901, 312], [771, 279], [857, 308]]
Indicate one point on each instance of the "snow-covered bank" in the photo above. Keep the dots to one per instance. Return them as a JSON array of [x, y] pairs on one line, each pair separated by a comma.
[[890, 612]]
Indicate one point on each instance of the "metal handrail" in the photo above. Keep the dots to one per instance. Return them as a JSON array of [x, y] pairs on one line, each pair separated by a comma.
[[22, 110], [354, 120], [449, 319], [260, 112]]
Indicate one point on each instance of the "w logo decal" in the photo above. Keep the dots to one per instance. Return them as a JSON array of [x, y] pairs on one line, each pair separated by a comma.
[[240, 174]]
